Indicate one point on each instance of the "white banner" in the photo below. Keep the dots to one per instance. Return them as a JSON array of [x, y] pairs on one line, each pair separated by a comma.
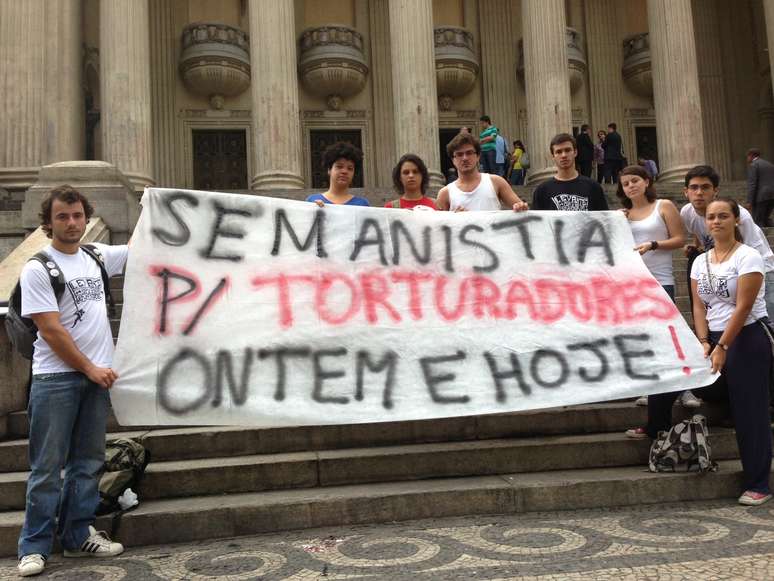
[[247, 310]]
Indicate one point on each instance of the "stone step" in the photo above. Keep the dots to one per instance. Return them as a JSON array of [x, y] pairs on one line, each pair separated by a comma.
[[191, 443], [266, 472], [209, 517], [19, 428]]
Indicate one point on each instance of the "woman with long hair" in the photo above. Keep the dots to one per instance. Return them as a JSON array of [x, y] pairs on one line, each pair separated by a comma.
[[410, 179], [729, 314], [517, 170], [657, 231]]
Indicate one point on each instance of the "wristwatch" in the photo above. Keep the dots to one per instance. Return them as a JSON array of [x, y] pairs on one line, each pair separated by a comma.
[[653, 244], [723, 346]]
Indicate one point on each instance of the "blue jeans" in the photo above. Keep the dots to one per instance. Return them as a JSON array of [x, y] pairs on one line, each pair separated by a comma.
[[67, 414], [488, 164]]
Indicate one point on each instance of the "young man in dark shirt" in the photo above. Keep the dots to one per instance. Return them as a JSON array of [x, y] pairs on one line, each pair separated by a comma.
[[568, 190]]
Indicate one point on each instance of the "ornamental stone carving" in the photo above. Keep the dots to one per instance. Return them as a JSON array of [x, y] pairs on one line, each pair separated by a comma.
[[637, 72], [331, 63], [215, 61], [456, 65], [576, 59]]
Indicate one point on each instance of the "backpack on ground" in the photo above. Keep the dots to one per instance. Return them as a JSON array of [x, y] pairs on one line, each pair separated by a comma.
[[685, 444], [125, 463], [22, 331]]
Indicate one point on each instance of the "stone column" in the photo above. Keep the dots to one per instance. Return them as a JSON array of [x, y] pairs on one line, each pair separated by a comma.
[[413, 83], [276, 123], [605, 58], [164, 41], [126, 88], [381, 78], [675, 88], [768, 8], [499, 50], [40, 88], [712, 87], [547, 80]]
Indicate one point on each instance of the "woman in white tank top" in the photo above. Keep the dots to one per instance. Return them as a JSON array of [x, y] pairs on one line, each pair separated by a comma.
[[657, 231], [655, 224]]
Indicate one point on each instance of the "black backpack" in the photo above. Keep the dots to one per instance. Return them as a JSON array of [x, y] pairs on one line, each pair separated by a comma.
[[22, 331]]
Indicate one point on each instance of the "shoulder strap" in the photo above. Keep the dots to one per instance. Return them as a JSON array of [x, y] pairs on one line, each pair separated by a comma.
[[94, 252], [395, 204], [54, 273]]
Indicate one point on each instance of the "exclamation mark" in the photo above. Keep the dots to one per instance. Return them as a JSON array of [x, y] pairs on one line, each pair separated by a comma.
[[679, 349]]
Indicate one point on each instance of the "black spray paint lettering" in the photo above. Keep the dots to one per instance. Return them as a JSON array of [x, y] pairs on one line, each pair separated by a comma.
[[205, 380], [316, 233], [176, 238], [165, 300]]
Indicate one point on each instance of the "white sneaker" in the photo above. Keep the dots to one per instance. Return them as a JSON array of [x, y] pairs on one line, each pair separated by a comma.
[[97, 545], [30, 565], [689, 400], [641, 400]]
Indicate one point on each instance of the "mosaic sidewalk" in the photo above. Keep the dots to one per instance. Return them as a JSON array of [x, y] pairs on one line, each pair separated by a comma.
[[707, 540]]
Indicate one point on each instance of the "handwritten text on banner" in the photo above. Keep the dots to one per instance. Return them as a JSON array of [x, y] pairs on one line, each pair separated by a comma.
[[249, 310]]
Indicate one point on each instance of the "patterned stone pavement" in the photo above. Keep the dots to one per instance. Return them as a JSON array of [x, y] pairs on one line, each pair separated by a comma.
[[707, 540]]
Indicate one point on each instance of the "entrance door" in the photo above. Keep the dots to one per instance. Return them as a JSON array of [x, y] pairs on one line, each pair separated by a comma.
[[647, 144], [321, 139], [220, 159], [444, 137]]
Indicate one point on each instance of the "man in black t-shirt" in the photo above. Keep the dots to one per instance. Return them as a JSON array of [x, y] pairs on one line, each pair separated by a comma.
[[568, 190]]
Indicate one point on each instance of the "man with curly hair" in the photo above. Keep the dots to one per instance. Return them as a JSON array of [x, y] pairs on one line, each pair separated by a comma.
[[71, 375]]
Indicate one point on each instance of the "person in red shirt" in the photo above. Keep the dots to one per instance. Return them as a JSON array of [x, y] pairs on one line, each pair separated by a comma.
[[410, 178]]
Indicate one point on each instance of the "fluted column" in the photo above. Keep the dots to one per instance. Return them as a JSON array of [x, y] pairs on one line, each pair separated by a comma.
[[274, 88], [712, 87], [381, 78], [413, 82], [40, 87], [605, 58], [768, 10], [675, 88], [499, 52], [547, 80], [164, 38], [126, 88]]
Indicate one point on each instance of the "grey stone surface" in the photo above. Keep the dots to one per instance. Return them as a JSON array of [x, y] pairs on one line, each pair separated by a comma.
[[694, 540]]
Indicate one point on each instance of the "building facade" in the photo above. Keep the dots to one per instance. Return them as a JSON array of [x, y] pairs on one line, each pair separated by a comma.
[[245, 94]]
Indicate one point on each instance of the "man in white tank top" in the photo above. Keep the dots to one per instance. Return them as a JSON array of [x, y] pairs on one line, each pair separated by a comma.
[[474, 190]]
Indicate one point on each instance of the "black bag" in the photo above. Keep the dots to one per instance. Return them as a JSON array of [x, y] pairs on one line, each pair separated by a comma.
[[22, 331], [687, 444]]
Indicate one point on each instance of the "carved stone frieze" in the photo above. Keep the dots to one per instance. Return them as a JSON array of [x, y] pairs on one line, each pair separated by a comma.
[[331, 63], [215, 61], [637, 71], [456, 64]]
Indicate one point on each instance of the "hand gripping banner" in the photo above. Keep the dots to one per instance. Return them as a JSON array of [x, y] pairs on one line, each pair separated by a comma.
[[247, 310]]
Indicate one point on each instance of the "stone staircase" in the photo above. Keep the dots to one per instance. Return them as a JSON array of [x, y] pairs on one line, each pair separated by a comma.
[[218, 482], [214, 482]]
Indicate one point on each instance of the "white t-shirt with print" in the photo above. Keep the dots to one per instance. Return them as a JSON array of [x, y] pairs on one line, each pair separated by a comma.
[[82, 308], [753, 236], [718, 291]]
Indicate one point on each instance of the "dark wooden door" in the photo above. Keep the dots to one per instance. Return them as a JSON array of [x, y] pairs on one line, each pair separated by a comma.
[[647, 144], [321, 139], [220, 159], [444, 137]]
